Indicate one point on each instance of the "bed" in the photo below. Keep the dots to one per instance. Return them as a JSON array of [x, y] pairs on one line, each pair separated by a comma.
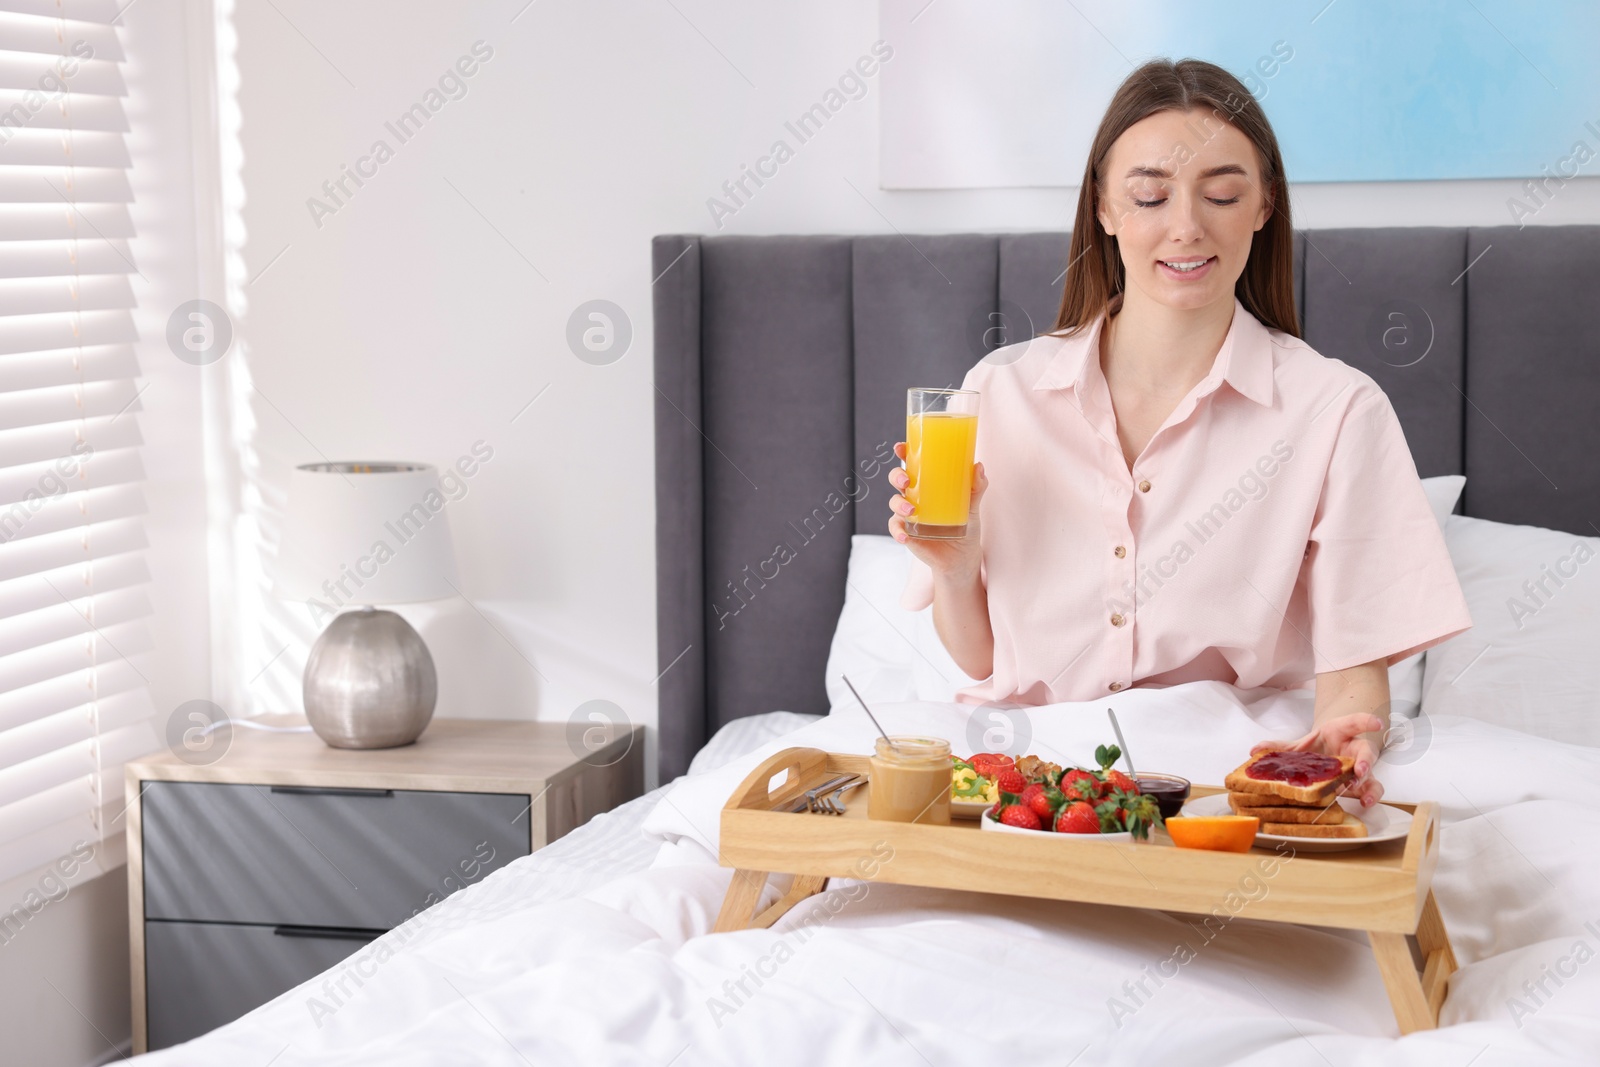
[[780, 363]]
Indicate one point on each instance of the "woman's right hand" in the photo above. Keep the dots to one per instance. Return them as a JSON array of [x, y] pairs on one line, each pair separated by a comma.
[[953, 558]]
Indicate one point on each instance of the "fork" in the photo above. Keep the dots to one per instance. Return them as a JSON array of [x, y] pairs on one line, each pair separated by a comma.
[[832, 805], [808, 800]]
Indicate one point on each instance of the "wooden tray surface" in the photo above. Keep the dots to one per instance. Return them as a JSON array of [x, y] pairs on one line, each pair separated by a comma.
[[1380, 887]]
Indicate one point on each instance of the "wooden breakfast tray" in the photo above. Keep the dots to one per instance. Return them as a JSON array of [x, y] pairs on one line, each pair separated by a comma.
[[1383, 888]]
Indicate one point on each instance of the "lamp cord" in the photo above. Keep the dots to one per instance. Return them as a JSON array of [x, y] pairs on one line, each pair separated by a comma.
[[255, 726]]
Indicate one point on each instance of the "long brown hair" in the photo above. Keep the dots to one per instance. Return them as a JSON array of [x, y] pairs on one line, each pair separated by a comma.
[[1095, 275]]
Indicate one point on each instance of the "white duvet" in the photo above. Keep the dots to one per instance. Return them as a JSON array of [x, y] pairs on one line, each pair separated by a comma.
[[554, 960]]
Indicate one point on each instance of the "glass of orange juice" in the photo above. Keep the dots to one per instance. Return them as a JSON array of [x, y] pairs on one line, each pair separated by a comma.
[[941, 436]]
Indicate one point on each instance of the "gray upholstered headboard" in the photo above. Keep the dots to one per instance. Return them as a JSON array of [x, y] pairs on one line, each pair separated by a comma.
[[781, 365]]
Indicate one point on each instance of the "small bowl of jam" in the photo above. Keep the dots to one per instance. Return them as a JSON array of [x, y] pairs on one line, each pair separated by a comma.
[[1169, 790]]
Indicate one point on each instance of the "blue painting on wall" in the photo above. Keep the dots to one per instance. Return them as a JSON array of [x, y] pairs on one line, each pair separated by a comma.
[[1417, 90], [989, 94]]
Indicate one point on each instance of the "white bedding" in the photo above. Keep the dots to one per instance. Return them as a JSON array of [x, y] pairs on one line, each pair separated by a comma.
[[571, 956]]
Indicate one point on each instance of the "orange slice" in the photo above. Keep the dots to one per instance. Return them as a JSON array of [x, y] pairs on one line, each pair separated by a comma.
[[1220, 833]]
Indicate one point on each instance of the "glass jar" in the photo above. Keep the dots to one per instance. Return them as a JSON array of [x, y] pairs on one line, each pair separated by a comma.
[[910, 780]]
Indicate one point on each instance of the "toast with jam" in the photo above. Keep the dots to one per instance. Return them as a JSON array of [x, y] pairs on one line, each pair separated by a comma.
[[1300, 778]]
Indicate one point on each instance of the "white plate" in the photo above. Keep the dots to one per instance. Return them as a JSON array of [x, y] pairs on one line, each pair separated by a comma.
[[967, 809], [999, 827], [1384, 823]]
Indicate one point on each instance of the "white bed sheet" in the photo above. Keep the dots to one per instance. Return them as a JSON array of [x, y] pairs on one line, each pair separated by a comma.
[[583, 954]]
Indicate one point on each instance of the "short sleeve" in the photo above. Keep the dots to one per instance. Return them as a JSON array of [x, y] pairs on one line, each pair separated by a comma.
[[1378, 576]]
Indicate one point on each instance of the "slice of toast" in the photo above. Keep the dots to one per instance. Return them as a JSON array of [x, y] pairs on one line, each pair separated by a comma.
[[1322, 792], [1330, 815], [1269, 800], [1351, 827]]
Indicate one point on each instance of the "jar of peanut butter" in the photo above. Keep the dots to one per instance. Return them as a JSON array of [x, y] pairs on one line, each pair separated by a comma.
[[910, 780]]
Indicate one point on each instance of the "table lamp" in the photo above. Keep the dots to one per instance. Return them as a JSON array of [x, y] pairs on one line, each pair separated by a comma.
[[358, 535]]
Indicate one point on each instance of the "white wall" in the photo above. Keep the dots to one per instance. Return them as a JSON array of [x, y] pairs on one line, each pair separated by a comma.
[[64, 977], [415, 320]]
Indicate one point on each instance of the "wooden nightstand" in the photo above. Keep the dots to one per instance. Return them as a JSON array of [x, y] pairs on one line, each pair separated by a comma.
[[253, 873]]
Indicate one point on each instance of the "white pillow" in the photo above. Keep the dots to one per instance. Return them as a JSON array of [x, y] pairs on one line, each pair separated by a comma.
[[1442, 494], [743, 736], [1529, 661], [890, 654]]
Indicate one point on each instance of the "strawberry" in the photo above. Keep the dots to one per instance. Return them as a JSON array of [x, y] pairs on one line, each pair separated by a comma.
[[1011, 781], [1121, 781], [1077, 818], [1139, 814], [1020, 817], [1044, 803], [1032, 790], [1080, 785], [1112, 815]]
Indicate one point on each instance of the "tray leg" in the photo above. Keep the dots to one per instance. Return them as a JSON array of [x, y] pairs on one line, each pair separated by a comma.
[[744, 892], [805, 885], [1400, 978], [1439, 958], [1416, 998]]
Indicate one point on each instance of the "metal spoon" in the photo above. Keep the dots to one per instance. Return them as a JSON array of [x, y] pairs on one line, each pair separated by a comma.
[[1125, 753], [871, 716]]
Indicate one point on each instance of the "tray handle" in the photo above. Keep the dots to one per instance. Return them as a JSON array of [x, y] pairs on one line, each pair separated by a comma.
[[1423, 839], [803, 764]]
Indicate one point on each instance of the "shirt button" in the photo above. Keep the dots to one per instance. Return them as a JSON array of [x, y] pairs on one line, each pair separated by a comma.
[[1114, 686], [1120, 551], [1144, 486], [1117, 619]]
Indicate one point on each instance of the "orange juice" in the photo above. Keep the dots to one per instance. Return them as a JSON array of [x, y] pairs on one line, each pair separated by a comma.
[[939, 450]]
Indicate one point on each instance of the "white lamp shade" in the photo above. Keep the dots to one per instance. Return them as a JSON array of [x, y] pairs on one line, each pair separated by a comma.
[[365, 533]]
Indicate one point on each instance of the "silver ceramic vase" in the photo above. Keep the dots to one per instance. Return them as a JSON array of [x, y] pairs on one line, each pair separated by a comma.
[[369, 682]]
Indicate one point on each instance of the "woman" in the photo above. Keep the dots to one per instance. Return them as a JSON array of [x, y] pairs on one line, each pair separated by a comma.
[[1172, 485]]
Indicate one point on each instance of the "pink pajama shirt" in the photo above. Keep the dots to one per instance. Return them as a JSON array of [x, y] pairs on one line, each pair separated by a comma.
[[1273, 528]]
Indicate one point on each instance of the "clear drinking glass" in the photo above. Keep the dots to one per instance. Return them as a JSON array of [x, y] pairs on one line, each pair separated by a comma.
[[941, 436]]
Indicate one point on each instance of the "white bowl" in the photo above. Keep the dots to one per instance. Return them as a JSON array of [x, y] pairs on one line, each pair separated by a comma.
[[999, 827]]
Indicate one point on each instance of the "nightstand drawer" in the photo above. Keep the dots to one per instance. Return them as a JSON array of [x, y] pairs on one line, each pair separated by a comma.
[[318, 857], [202, 975]]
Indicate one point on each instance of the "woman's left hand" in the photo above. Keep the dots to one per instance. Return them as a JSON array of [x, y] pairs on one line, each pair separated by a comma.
[[1343, 735]]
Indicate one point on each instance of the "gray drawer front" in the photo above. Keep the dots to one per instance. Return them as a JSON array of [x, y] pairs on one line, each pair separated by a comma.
[[247, 854], [201, 975]]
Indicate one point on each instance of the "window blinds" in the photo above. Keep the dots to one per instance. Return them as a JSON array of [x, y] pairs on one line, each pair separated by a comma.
[[74, 701]]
